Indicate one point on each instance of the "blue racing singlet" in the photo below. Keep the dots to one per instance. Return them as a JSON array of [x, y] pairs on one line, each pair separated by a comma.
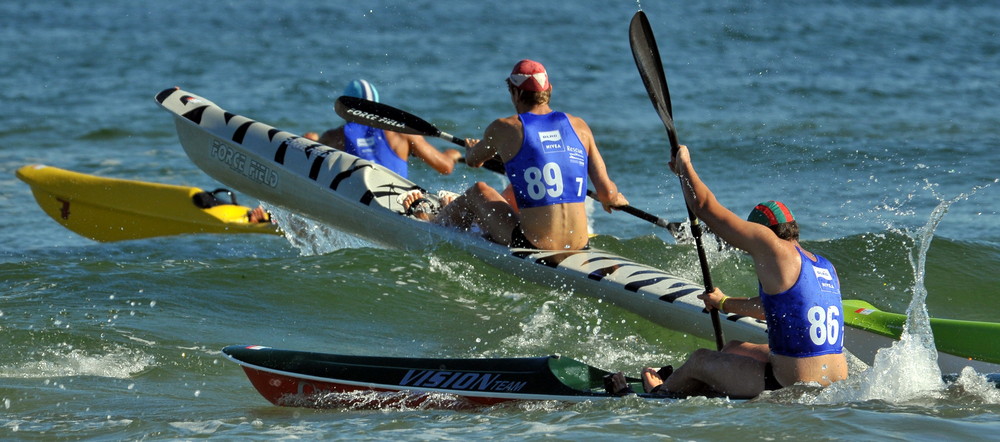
[[807, 319], [551, 167], [369, 143]]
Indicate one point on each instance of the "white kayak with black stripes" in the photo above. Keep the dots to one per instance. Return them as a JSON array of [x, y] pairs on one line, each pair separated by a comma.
[[363, 198]]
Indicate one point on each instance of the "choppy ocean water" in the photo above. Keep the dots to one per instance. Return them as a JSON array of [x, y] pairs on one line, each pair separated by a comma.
[[864, 117]]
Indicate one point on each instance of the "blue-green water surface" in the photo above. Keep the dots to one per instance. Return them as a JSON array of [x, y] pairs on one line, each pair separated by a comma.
[[862, 116]]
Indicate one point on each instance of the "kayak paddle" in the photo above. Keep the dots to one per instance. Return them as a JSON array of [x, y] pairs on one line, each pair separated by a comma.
[[647, 59], [385, 117]]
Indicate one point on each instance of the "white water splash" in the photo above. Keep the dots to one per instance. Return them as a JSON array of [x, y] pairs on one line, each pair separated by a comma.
[[313, 238], [118, 363], [975, 384], [908, 369], [556, 325]]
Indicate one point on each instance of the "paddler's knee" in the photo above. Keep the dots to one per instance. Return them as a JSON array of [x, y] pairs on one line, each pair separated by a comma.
[[508, 194], [701, 354], [479, 188], [731, 345], [484, 192]]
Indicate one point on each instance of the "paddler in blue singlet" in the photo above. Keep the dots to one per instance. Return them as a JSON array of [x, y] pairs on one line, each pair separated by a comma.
[[799, 298], [390, 149], [548, 157]]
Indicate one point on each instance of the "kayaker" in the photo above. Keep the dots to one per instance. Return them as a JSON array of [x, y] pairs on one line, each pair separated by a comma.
[[548, 157], [799, 298], [390, 149]]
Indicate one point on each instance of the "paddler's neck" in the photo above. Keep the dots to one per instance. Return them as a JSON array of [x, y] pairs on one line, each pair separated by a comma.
[[537, 109], [521, 107]]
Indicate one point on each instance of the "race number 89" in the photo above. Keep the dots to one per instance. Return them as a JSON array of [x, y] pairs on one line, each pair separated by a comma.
[[547, 179], [824, 325]]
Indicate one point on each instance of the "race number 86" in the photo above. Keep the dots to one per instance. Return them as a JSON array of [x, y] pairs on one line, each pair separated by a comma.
[[824, 325]]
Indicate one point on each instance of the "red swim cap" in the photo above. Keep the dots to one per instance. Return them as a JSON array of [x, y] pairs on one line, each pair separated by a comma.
[[530, 75]]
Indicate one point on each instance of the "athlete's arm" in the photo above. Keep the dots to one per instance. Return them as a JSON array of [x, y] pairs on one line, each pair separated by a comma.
[[751, 237], [775, 260], [607, 191], [443, 162], [333, 138], [751, 307], [499, 136]]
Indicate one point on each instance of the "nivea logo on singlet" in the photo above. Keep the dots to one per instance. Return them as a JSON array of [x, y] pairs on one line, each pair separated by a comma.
[[551, 141], [365, 146], [825, 279]]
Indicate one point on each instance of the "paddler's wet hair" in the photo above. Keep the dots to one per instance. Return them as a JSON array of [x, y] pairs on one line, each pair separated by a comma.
[[530, 98], [787, 231]]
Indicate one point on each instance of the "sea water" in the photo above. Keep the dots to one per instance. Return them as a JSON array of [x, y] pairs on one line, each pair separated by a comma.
[[908, 369], [863, 117]]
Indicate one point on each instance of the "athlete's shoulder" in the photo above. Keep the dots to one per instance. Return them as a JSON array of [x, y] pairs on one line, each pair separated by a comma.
[[582, 129], [511, 121], [505, 126]]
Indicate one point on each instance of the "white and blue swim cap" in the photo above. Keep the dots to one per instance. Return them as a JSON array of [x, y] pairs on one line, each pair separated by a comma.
[[361, 89]]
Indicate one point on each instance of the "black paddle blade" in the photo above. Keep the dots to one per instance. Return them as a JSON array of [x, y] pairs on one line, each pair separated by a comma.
[[382, 116], [647, 59]]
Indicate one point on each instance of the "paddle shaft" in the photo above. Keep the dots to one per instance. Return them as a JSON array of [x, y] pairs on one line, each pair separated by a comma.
[[647, 59], [383, 116]]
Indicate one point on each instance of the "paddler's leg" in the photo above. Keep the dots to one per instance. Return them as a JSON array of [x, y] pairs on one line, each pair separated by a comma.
[[457, 213], [486, 207], [728, 374], [508, 195], [760, 352]]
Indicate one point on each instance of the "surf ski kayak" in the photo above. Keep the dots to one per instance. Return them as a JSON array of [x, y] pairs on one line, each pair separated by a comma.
[[363, 198], [323, 380], [112, 209], [959, 343]]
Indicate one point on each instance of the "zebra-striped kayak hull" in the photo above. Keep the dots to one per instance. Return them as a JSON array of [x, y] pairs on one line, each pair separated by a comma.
[[363, 198]]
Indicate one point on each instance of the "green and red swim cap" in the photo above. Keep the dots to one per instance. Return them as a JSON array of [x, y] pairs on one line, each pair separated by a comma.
[[771, 213]]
